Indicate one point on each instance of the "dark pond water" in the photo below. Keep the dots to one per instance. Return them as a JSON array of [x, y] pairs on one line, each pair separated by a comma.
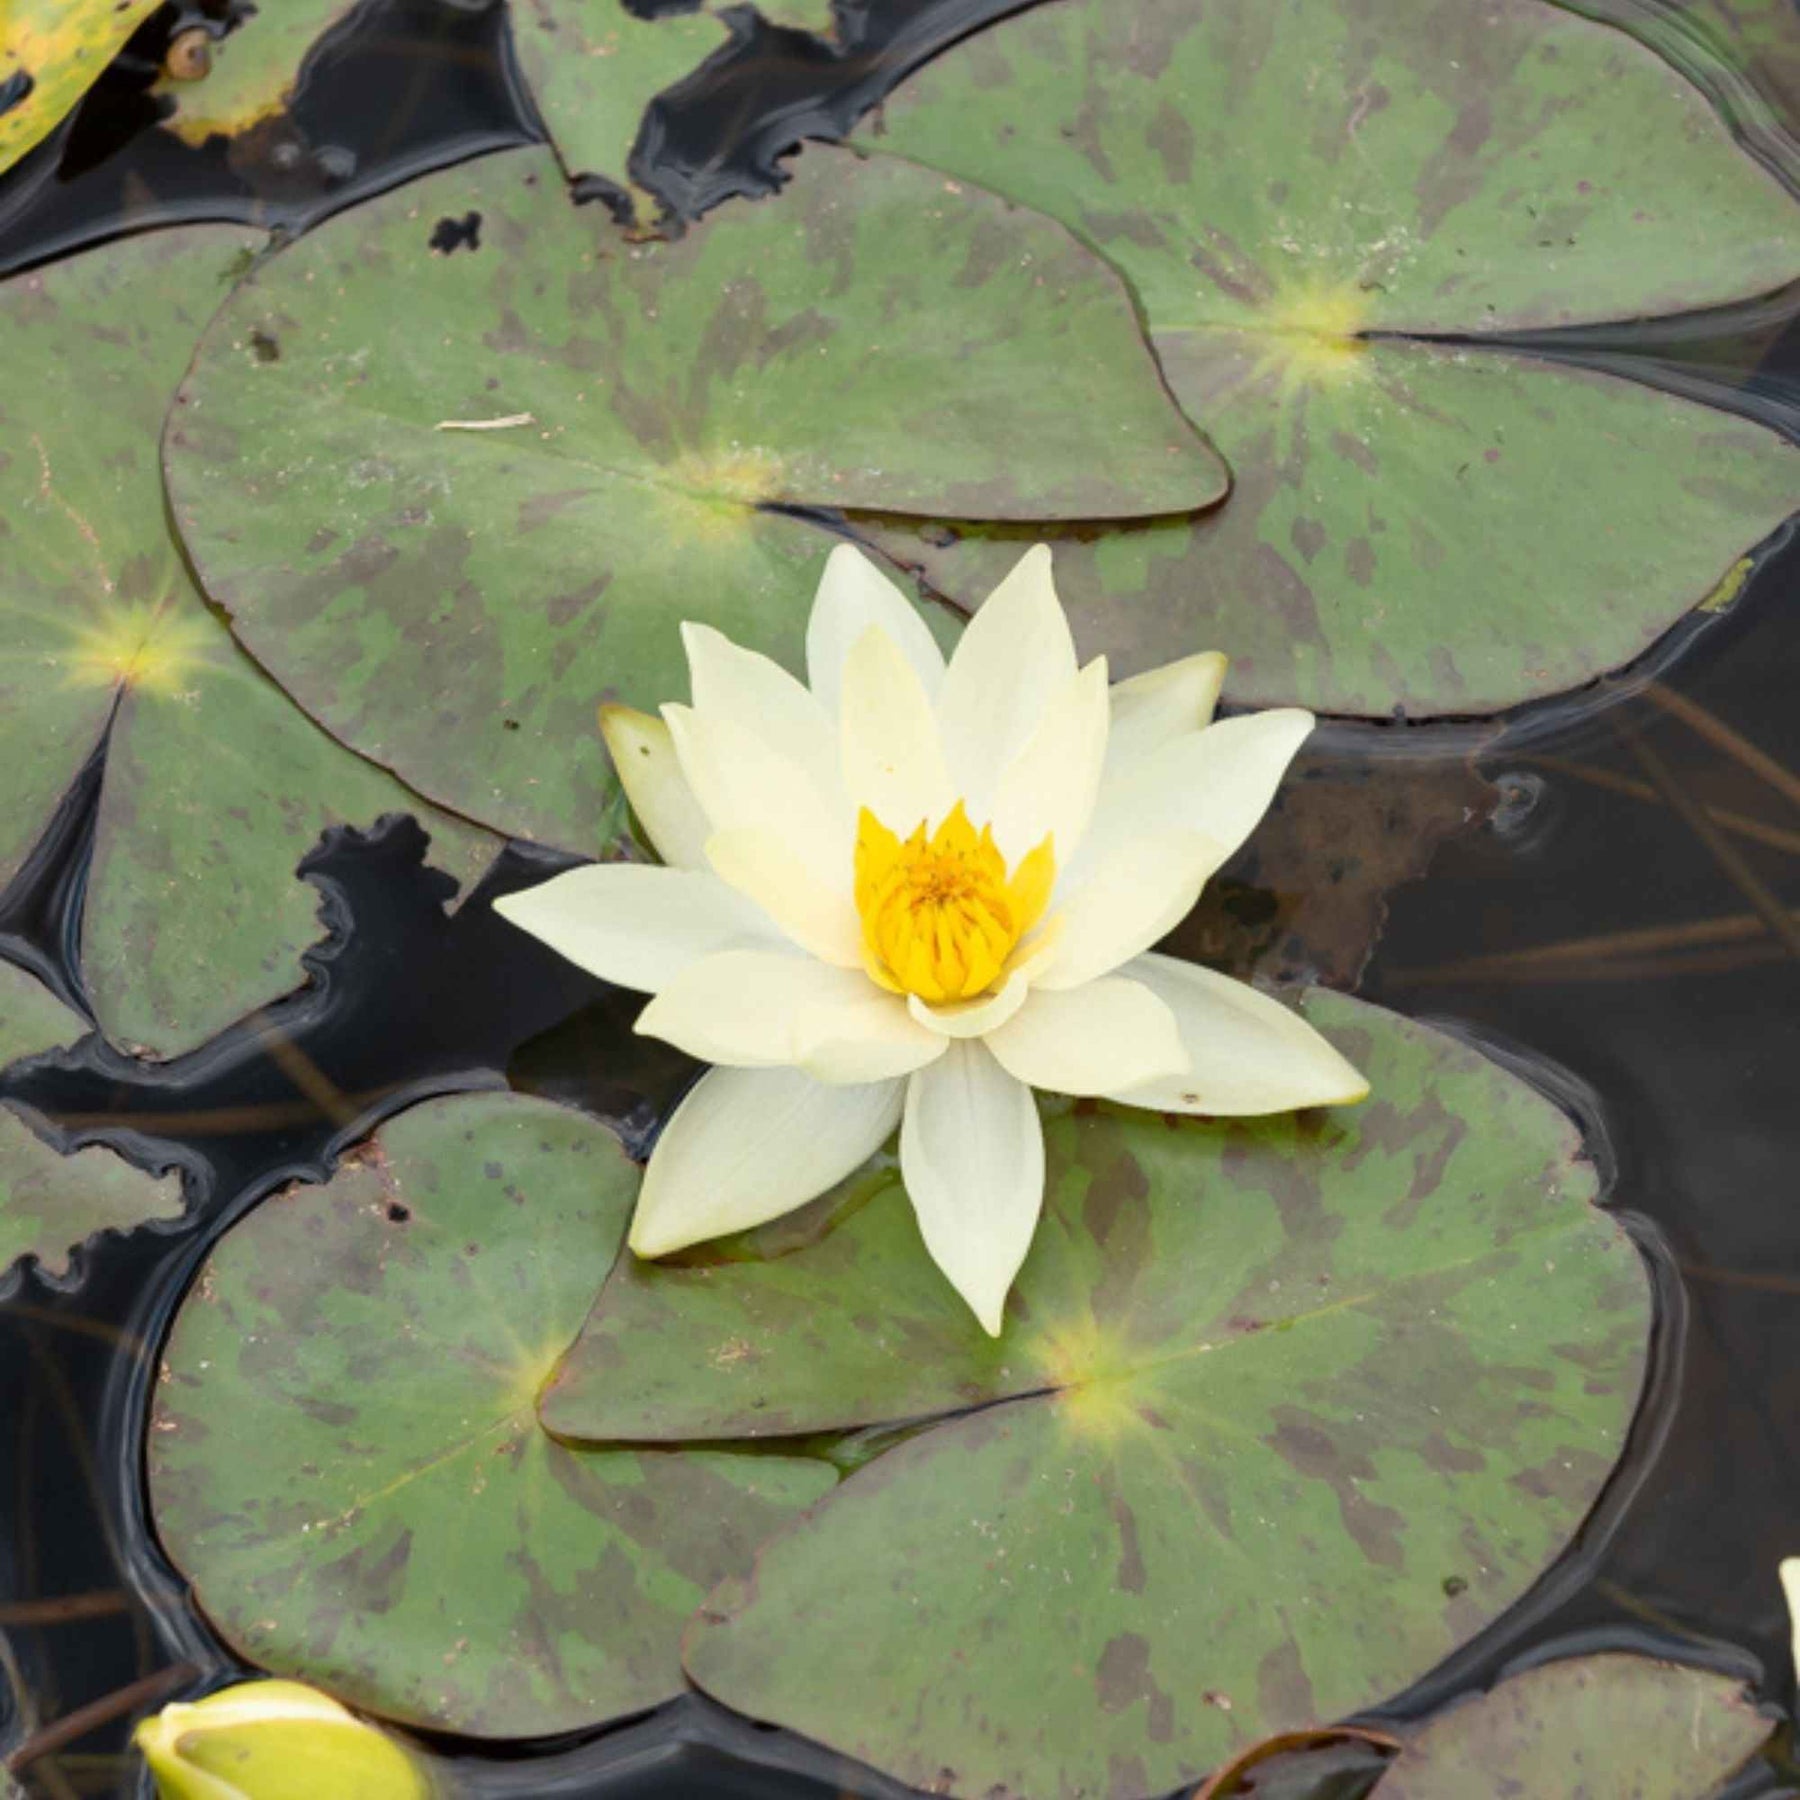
[[1620, 918]]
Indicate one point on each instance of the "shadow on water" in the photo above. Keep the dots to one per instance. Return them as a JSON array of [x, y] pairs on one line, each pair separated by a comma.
[[1623, 928]]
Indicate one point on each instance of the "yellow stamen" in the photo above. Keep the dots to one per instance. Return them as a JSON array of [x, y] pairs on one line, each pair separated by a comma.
[[940, 914]]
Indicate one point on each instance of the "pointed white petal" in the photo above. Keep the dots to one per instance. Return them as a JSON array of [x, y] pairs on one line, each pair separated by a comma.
[[1049, 787], [745, 785], [760, 697], [973, 1018], [637, 924], [1150, 709], [1247, 1053], [861, 1032], [893, 760], [1014, 659], [649, 770], [741, 1006], [853, 595], [748, 1145], [1789, 1572], [809, 910], [1083, 1041], [972, 1154], [1133, 898]]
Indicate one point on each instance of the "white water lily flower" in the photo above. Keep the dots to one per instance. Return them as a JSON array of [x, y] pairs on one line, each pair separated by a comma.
[[915, 892]]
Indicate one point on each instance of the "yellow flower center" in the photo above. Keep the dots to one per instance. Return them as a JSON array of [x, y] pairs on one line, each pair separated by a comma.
[[940, 913]]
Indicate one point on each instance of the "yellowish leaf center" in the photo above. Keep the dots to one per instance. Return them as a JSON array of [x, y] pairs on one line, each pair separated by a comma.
[[941, 913], [1316, 331], [138, 646]]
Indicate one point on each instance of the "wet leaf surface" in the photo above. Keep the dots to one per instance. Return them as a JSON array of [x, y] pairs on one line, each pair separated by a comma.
[[215, 784], [1413, 524], [1593, 1728], [449, 546], [1296, 1406], [344, 1457], [51, 53]]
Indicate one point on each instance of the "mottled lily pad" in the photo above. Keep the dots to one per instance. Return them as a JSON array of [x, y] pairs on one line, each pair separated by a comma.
[[344, 1458], [254, 69], [1332, 216], [51, 1203], [449, 543], [1594, 1728], [51, 53], [215, 784], [1289, 1408]]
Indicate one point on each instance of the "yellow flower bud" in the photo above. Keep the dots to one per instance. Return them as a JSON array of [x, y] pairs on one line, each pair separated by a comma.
[[273, 1740]]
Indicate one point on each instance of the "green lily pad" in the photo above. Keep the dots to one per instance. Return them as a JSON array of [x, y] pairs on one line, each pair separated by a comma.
[[254, 69], [51, 53], [1288, 1409], [51, 1203], [1428, 526], [344, 1458], [215, 784], [453, 599], [1593, 1728]]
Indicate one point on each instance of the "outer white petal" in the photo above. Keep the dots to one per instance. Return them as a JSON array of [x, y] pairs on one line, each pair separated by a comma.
[[972, 1154], [1789, 1572], [745, 785], [1247, 1053], [649, 770], [893, 759], [1049, 787], [759, 696], [1135, 897], [861, 1032], [810, 910], [853, 595], [973, 1018], [636, 924], [1150, 709], [747, 1145], [741, 1006], [1014, 659], [1082, 1041]]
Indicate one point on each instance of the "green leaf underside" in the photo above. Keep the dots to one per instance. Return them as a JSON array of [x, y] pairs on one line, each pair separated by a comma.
[[49, 1203], [62, 46], [345, 1462], [1270, 1386], [455, 602], [1410, 526], [1595, 1728], [215, 784], [255, 69]]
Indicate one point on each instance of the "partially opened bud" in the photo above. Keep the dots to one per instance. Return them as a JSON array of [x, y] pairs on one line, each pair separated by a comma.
[[273, 1740]]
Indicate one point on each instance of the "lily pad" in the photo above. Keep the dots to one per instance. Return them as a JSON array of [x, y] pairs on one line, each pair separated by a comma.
[[254, 69], [1289, 1409], [215, 784], [51, 1203], [51, 53], [1593, 1728], [1332, 217], [345, 1462], [449, 545]]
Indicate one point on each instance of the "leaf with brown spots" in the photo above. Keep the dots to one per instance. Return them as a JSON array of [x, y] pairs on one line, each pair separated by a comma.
[[1283, 1412], [345, 1462], [51, 53]]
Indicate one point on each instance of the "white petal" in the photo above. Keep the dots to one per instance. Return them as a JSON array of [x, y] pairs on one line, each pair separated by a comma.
[[1150, 709], [973, 1018], [1789, 1572], [748, 1145], [637, 924], [1134, 898], [809, 910], [745, 785], [1049, 787], [1082, 1041], [853, 595], [741, 1006], [760, 697], [1247, 1053], [893, 761], [1014, 659], [972, 1154], [861, 1032], [650, 772]]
